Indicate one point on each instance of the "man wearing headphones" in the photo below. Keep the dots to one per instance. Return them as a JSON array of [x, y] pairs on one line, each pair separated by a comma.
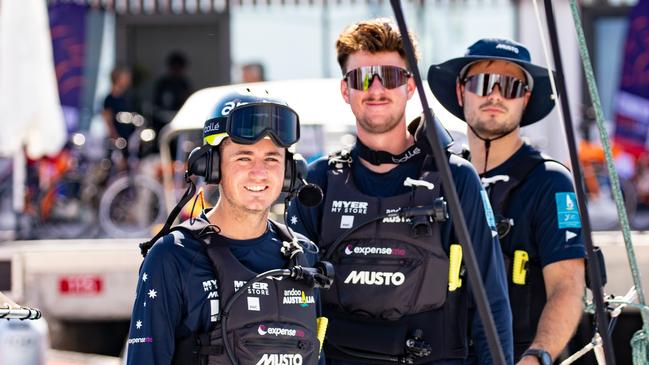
[[497, 90], [400, 293], [203, 275]]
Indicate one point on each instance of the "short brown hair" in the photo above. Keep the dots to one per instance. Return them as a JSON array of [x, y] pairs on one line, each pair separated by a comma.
[[374, 35]]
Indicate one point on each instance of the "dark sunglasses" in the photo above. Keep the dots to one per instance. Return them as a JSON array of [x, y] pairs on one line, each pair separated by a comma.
[[390, 76], [483, 85]]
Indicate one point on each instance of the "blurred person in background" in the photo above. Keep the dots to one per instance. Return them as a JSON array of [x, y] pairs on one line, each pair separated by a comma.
[[171, 90], [119, 100], [252, 72]]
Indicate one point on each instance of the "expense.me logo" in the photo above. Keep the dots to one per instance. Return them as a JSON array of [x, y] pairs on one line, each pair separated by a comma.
[[348, 207], [375, 278], [295, 296], [278, 331], [280, 359], [369, 250]]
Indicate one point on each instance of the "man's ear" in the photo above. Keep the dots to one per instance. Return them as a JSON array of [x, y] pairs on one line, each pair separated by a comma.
[[527, 97], [411, 87], [344, 90], [459, 92]]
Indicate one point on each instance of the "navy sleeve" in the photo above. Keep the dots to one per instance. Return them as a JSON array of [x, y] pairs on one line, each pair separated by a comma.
[[481, 225], [559, 232], [307, 220], [157, 307]]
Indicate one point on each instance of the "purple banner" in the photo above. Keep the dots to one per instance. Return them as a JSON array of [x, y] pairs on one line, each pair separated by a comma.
[[632, 101], [68, 28]]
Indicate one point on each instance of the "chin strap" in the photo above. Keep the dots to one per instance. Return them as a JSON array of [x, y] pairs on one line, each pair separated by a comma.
[[487, 143]]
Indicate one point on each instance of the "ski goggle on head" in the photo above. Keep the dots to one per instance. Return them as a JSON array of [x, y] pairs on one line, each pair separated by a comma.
[[249, 123], [390, 76], [483, 84]]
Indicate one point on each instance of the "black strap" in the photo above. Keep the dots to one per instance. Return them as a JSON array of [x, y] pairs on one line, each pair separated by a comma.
[[381, 157], [189, 193], [487, 143], [522, 166], [500, 192]]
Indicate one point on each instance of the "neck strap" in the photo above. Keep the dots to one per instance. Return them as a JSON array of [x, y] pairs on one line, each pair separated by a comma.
[[381, 157], [487, 144]]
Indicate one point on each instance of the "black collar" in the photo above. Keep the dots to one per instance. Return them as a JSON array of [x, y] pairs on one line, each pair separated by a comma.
[[381, 157]]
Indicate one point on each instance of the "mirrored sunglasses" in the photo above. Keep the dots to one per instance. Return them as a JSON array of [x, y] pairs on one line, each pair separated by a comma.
[[390, 76], [483, 85]]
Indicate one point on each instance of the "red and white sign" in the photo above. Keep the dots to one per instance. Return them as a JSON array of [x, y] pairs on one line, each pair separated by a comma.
[[80, 284]]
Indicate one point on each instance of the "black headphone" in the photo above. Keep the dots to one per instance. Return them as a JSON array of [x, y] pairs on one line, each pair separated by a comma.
[[205, 161]]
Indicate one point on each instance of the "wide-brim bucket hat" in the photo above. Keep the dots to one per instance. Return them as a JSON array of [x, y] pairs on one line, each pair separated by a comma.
[[443, 77]]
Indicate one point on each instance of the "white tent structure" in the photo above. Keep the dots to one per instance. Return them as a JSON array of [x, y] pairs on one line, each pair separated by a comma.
[[30, 113]]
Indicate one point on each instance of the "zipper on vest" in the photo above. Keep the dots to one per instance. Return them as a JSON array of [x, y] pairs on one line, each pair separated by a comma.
[[275, 343], [401, 262]]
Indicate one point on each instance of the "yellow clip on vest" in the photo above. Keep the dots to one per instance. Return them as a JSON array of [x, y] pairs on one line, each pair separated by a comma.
[[455, 264], [321, 324], [519, 272]]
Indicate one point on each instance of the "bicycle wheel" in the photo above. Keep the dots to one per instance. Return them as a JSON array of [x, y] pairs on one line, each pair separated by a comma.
[[131, 206]]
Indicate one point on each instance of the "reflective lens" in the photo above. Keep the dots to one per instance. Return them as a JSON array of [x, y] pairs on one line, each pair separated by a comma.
[[390, 76], [483, 84], [248, 123]]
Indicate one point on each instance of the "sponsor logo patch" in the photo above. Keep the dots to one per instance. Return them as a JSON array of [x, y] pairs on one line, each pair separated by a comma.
[[387, 251], [295, 296], [136, 340], [280, 359], [346, 221], [567, 211], [257, 288], [253, 304], [278, 331], [348, 207], [375, 278]]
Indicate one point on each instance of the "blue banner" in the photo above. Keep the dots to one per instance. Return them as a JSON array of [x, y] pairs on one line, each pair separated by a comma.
[[68, 28]]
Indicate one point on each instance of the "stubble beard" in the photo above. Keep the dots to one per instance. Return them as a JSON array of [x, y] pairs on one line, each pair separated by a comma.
[[239, 210], [386, 125], [493, 128]]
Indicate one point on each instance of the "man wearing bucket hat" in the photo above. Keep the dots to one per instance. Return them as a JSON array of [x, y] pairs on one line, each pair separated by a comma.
[[400, 294], [496, 90], [202, 296]]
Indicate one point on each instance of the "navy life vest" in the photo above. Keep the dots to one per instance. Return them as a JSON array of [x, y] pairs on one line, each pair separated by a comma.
[[527, 298], [273, 324], [390, 300]]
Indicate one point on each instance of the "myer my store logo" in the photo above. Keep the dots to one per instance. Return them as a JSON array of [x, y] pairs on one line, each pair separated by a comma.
[[348, 207]]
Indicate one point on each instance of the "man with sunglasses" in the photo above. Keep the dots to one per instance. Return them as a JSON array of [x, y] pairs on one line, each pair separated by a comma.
[[203, 275], [400, 294], [497, 90]]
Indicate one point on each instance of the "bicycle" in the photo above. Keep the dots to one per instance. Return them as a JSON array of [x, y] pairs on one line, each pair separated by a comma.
[[133, 202], [61, 195]]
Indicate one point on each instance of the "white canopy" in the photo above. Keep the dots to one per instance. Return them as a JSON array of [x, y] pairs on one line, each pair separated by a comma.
[[30, 111]]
